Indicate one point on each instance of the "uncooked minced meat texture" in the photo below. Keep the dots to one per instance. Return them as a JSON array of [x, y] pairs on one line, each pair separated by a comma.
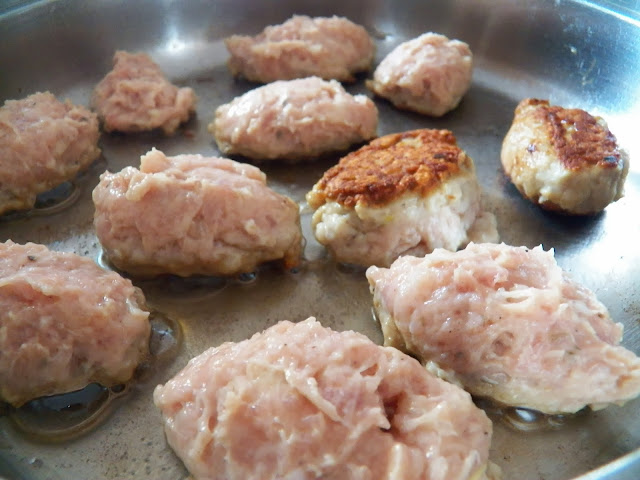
[[404, 193], [190, 214], [43, 143], [330, 48], [64, 323], [300, 401], [136, 96], [563, 159], [507, 323], [294, 120], [429, 74]]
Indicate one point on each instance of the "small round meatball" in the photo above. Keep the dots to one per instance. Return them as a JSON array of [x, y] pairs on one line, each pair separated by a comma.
[[330, 48], [506, 323], [294, 120], [194, 215], [404, 193], [136, 96], [64, 323], [43, 143], [300, 401], [428, 74], [564, 160]]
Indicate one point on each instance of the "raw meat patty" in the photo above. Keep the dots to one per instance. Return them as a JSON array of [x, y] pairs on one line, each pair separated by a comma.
[[300, 401], [563, 159], [189, 214], [294, 120], [404, 193], [43, 143], [507, 323], [428, 74], [65, 323], [331, 48], [136, 96]]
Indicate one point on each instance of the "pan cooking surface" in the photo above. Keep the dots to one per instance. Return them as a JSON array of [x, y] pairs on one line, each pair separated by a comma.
[[571, 53]]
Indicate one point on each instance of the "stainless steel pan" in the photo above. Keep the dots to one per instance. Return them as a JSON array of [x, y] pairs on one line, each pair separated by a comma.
[[574, 53]]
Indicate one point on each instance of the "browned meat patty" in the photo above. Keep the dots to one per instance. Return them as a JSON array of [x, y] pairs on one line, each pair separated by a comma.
[[507, 323], [64, 323], [330, 48], [43, 143], [563, 159], [294, 120], [404, 193], [189, 214], [136, 96], [300, 401]]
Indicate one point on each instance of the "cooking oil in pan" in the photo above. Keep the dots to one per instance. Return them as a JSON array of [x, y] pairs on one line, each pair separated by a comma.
[[59, 418]]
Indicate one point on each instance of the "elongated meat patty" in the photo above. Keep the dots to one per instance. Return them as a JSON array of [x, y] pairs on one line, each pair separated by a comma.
[[330, 48], [429, 74], [404, 193], [191, 214], [294, 120], [43, 143], [300, 401], [136, 96], [507, 323], [64, 323], [563, 159]]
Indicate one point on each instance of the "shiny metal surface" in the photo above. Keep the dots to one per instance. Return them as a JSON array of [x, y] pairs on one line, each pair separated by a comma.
[[574, 53]]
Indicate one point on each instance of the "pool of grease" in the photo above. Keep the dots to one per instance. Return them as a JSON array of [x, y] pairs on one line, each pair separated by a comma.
[[64, 417]]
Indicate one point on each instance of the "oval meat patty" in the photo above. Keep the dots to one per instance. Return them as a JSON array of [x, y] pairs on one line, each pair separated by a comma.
[[64, 323], [509, 324], [563, 159], [330, 48], [190, 214], [299, 401], [43, 143], [294, 120], [136, 96], [429, 74], [404, 193]]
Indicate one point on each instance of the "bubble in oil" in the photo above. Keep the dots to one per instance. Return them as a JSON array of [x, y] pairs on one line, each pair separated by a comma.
[[527, 420], [63, 417], [247, 277]]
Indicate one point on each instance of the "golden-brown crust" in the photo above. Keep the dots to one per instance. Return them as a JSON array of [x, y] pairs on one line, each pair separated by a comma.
[[579, 139], [416, 161]]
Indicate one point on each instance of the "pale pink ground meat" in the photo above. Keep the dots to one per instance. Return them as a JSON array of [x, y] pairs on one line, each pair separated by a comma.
[[300, 401], [330, 48], [43, 143], [136, 96], [294, 120], [189, 214], [65, 323], [507, 323], [429, 74]]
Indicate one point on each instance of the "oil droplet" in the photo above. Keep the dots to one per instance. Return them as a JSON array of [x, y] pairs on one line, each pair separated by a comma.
[[56, 199], [164, 344], [247, 278], [59, 418], [35, 462], [527, 420]]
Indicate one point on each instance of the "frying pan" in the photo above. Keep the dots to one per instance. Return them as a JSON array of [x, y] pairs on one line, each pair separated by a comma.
[[574, 53]]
